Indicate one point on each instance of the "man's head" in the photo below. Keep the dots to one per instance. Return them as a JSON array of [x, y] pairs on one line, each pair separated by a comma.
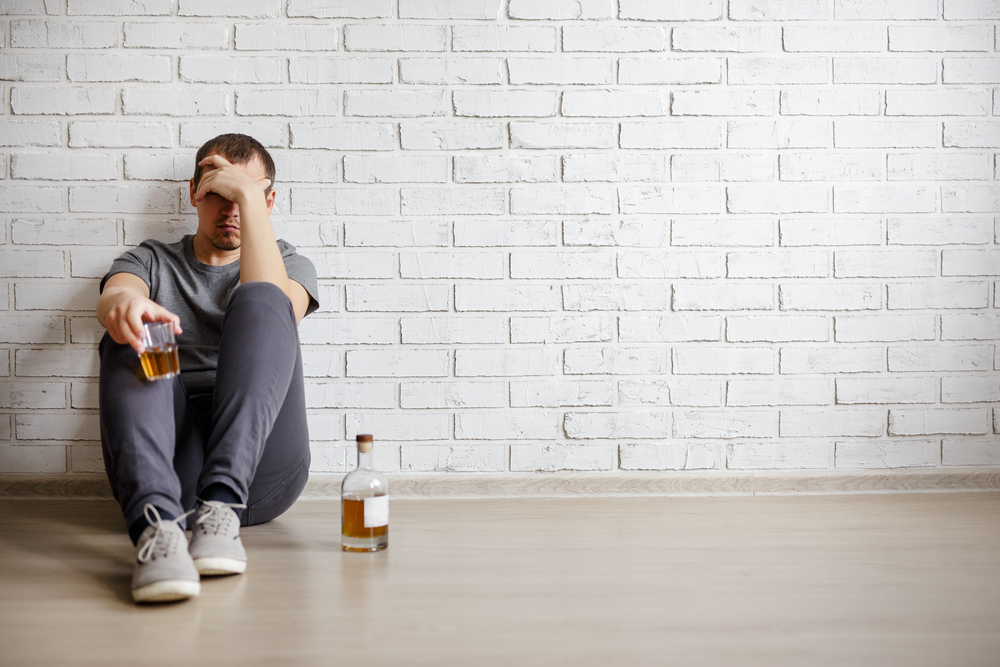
[[218, 217]]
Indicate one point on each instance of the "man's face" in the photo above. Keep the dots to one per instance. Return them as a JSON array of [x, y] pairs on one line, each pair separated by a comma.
[[219, 218]]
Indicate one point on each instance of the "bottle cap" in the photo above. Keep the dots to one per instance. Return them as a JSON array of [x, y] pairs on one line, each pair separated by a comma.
[[365, 443]]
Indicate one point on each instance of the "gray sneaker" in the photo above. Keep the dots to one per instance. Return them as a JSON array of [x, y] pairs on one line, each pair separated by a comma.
[[163, 569], [216, 546]]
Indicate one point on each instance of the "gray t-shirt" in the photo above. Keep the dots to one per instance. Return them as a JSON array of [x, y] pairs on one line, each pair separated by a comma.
[[199, 294]]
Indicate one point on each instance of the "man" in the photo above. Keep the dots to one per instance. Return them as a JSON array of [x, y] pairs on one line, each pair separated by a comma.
[[227, 438]]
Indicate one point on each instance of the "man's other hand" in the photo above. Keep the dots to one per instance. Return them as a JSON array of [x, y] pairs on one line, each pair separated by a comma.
[[220, 176], [125, 306]]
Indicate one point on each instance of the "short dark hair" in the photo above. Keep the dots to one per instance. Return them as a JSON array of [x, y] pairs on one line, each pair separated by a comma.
[[238, 149]]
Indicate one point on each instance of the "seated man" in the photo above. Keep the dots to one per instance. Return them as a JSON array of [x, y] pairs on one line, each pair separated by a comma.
[[229, 433]]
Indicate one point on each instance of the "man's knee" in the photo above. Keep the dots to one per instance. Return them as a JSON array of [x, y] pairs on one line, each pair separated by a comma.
[[260, 296]]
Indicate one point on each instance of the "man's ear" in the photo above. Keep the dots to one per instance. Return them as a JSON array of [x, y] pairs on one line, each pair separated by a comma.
[[271, 196], [191, 193]]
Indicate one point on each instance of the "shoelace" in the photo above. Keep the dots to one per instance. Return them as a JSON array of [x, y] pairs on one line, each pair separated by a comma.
[[163, 542], [212, 520]]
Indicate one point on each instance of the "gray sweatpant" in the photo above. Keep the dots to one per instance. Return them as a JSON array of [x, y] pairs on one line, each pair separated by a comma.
[[163, 447]]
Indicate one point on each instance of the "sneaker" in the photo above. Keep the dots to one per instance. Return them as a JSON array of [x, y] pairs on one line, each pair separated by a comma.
[[163, 570], [216, 546]]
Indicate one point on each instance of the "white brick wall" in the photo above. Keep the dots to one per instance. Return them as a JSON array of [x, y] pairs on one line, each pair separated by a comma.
[[601, 235]]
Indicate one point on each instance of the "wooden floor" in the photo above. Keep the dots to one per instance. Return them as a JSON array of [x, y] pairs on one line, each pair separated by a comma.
[[796, 580]]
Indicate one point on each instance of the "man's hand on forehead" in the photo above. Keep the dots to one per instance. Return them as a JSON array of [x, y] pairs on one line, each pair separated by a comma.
[[231, 181]]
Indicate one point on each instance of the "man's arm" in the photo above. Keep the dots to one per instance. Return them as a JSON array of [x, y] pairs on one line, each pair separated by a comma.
[[123, 307]]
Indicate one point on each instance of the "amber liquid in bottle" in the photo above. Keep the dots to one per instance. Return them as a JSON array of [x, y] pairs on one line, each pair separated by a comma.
[[354, 521], [365, 504]]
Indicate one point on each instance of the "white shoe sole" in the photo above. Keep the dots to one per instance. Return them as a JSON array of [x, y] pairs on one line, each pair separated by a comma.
[[217, 566], [167, 591]]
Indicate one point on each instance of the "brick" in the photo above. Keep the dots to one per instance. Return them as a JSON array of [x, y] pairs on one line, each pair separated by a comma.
[[572, 329], [506, 297], [33, 395], [322, 69], [769, 328], [55, 426], [723, 297], [57, 231], [30, 67], [725, 424], [778, 134], [399, 426], [568, 200], [504, 233], [33, 459], [118, 7], [832, 166], [589, 297], [723, 361], [628, 233], [63, 34], [777, 199], [687, 392], [836, 296], [959, 452], [970, 263], [884, 263], [616, 361], [450, 136], [442, 201], [819, 360], [758, 70], [971, 70], [390, 298], [779, 10], [938, 166], [175, 102], [91, 263], [386, 37], [669, 328], [270, 134], [451, 330], [939, 38], [677, 134], [731, 38], [614, 103], [723, 103], [29, 133], [31, 263], [247, 9], [395, 169], [62, 100], [613, 39], [30, 199], [560, 265], [560, 9], [505, 169], [970, 326], [111, 134], [613, 425], [288, 103], [835, 38], [135, 199], [891, 10], [941, 421], [682, 10], [348, 331], [55, 296], [970, 199], [970, 389], [308, 167], [674, 71], [556, 457], [884, 199], [832, 423], [319, 362], [882, 454], [230, 69], [115, 68], [452, 458], [353, 201], [451, 71], [88, 331], [261, 37], [722, 167], [399, 103], [453, 265], [972, 134], [783, 391], [721, 232], [504, 103], [887, 390], [59, 166], [804, 264], [830, 231], [885, 70], [673, 456], [945, 295], [188, 35], [453, 395], [830, 102], [559, 393], [32, 329], [883, 328], [503, 38], [942, 103], [343, 136], [657, 199], [350, 395], [158, 167], [552, 71], [32, 7], [506, 425], [886, 134], [970, 10], [672, 264], [941, 358], [352, 265], [341, 9], [506, 362], [776, 455], [397, 363]]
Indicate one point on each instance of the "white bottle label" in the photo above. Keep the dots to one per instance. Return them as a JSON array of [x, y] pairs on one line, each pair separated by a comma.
[[376, 511]]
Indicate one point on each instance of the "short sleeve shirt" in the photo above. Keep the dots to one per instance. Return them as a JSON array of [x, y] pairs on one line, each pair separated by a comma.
[[199, 294]]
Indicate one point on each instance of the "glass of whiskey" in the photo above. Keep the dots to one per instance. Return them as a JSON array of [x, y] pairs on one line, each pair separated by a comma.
[[160, 360], [364, 497]]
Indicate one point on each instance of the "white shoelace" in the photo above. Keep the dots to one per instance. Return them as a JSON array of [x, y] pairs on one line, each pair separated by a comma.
[[212, 520], [163, 542]]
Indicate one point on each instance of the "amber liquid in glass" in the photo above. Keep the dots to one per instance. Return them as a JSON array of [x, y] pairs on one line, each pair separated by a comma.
[[353, 528], [161, 362]]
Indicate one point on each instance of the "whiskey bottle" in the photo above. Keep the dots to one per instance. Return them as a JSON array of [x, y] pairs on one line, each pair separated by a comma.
[[365, 504]]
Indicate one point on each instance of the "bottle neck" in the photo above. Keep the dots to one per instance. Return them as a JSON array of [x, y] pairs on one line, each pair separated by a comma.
[[365, 460]]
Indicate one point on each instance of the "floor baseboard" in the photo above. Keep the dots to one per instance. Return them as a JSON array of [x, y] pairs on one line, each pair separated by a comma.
[[582, 485]]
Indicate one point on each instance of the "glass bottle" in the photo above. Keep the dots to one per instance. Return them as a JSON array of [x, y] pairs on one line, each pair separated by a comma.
[[365, 504]]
